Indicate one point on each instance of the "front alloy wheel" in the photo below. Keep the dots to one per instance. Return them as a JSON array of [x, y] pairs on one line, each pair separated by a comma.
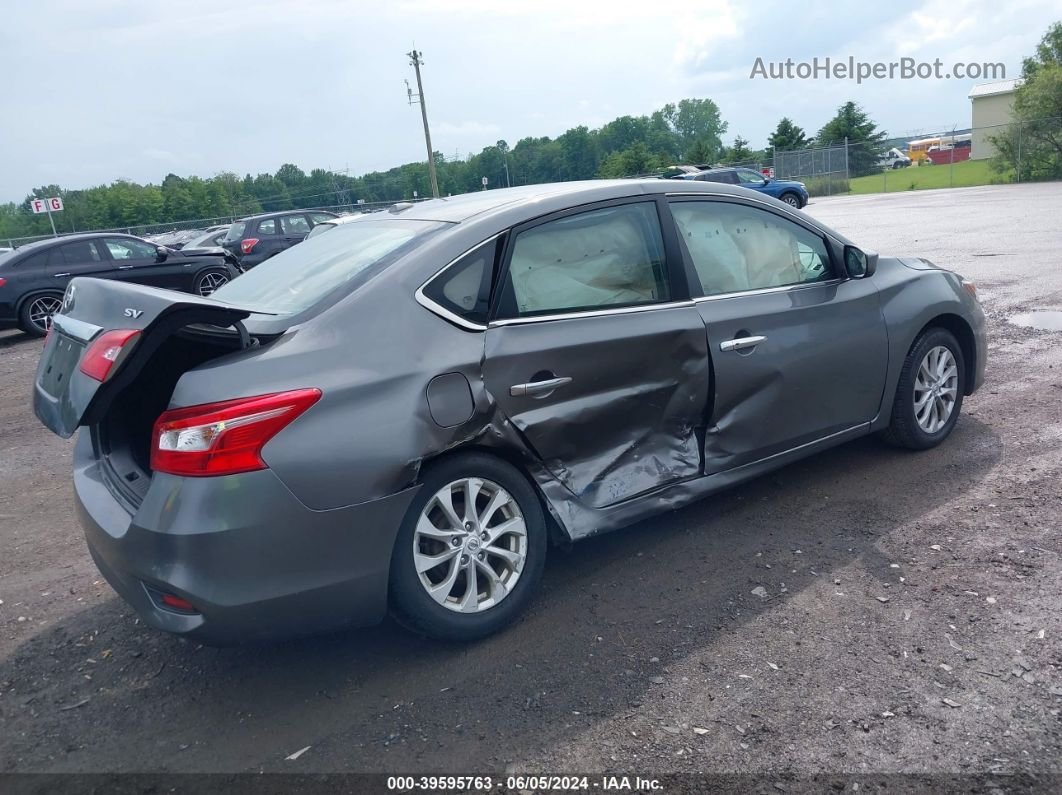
[[935, 389], [791, 199], [470, 550], [929, 393]]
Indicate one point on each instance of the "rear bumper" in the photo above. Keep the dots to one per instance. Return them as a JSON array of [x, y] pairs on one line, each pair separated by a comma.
[[255, 562]]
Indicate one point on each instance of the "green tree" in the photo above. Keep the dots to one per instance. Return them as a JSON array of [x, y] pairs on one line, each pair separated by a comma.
[[738, 152], [636, 160], [852, 124], [697, 120], [787, 136], [1032, 147]]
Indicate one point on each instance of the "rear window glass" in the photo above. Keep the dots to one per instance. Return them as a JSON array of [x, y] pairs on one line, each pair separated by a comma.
[[464, 287], [236, 231], [302, 275]]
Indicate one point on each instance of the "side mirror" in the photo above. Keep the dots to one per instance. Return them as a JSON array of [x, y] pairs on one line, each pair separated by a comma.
[[860, 264], [161, 253]]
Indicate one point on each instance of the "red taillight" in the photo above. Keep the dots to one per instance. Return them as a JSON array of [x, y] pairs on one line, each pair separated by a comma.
[[3, 281], [224, 438], [248, 245], [177, 603], [107, 351]]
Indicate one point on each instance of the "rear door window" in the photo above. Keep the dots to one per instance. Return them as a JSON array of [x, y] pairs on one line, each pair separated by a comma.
[[79, 253], [612, 257], [40, 261], [295, 225]]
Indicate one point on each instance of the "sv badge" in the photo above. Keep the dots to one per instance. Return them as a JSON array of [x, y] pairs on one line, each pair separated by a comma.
[[134, 313]]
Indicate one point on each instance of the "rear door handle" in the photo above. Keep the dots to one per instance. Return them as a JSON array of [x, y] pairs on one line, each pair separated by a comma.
[[538, 387], [740, 343], [125, 267], [60, 275]]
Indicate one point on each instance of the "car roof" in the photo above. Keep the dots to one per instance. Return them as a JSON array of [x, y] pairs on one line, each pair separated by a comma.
[[281, 213], [58, 241], [551, 196]]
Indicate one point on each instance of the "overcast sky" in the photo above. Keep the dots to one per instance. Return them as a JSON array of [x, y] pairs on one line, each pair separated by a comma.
[[97, 90]]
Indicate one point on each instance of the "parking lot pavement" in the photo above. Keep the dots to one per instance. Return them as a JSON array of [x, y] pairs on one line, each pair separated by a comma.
[[864, 610]]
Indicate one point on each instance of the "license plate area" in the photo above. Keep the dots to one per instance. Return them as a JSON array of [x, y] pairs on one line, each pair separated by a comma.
[[65, 356]]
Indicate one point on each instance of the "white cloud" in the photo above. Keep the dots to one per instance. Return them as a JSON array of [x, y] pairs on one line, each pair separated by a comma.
[[466, 129]]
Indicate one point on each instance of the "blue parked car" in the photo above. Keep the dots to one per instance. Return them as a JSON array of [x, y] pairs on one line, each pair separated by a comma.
[[794, 194]]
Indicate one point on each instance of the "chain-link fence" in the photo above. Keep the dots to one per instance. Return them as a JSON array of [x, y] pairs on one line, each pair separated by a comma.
[[988, 154], [149, 230], [823, 169]]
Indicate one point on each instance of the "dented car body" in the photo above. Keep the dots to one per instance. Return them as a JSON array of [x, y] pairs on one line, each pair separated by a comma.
[[626, 347]]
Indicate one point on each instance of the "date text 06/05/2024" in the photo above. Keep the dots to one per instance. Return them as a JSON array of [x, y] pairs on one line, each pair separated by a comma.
[[532, 783]]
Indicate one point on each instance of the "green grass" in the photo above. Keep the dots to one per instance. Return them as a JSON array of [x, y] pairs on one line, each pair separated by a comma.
[[965, 174]]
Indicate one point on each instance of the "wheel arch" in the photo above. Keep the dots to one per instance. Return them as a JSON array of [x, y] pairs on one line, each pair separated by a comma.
[[35, 293]]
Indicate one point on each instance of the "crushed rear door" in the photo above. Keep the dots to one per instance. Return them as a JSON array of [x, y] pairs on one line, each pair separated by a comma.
[[102, 336]]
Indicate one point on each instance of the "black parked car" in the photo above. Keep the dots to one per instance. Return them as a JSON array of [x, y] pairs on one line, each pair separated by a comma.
[[33, 278], [259, 237]]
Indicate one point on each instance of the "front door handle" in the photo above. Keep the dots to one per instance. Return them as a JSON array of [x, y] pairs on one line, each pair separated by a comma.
[[60, 275], [538, 387], [740, 343], [125, 267]]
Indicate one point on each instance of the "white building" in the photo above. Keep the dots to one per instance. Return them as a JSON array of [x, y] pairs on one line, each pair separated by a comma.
[[992, 109]]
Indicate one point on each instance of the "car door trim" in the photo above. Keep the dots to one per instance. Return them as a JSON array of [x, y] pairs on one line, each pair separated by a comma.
[[620, 310], [764, 290]]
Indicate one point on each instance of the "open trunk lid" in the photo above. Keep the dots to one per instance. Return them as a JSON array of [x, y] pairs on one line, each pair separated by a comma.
[[64, 395]]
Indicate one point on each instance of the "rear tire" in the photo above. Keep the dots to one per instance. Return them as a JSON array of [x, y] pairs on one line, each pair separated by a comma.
[[497, 545], [930, 392], [35, 314], [210, 280]]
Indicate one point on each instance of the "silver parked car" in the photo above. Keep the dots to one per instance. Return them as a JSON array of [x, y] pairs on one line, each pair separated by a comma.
[[406, 412]]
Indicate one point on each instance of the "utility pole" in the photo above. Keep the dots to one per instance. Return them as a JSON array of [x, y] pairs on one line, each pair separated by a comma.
[[415, 60]]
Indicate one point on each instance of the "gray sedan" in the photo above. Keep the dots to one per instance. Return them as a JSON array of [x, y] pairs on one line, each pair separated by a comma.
[[406, 413]]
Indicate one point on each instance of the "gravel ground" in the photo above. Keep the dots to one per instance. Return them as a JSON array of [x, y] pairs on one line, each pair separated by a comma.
[[866, 611]]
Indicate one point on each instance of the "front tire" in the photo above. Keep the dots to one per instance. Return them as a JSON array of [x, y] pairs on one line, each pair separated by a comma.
[[930, 392], [470, 551], [791, 199], [35, 314]]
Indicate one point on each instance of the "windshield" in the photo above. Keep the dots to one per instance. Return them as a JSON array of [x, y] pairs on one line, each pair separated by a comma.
[[297, 278], [203, 241], [320, 229]]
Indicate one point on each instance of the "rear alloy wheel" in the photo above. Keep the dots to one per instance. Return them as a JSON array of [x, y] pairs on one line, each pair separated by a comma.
[[929, 394], [208, 281], [470, 551], [36, 314], [791, 199]]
